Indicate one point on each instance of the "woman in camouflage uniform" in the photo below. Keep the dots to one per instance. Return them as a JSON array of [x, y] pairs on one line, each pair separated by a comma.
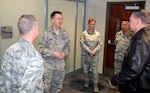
[[91, 45]]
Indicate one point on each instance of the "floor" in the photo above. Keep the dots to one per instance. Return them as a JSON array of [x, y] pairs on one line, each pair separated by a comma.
[[74, 84]]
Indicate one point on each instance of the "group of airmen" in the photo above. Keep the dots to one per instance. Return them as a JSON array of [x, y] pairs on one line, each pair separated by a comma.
[[27, 70]]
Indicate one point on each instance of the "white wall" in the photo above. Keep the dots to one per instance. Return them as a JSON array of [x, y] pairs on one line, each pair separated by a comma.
[[147, 7], [97, 9], [11, 10]]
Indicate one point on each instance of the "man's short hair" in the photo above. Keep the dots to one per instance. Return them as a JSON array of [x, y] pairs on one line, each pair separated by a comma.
[[54, 13], [142, 16], [26, 23]]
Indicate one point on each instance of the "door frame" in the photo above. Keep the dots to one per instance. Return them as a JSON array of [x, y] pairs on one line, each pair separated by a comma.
[[105, 69]]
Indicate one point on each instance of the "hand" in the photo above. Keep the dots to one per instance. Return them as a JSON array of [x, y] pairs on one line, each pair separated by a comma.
[[92, 53], [56, 54], [61, 55], [111, 86]]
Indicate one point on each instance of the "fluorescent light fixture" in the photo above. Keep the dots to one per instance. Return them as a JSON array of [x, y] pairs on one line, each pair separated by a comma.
[[132, 7]]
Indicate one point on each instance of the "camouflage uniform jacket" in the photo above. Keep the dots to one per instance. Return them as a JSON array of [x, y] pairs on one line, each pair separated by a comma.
[[90, 41], [22, 69], [122, 42], [50, 42]]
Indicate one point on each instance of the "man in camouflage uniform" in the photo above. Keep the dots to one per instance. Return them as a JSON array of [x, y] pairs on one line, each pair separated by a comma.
[[91, 44], [54, 46], [122, 40], [22, 68]]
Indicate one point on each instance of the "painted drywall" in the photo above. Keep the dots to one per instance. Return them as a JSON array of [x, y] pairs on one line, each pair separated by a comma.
[[11, 10]]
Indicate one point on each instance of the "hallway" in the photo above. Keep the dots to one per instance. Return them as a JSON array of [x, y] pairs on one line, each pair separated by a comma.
[[74, 84]]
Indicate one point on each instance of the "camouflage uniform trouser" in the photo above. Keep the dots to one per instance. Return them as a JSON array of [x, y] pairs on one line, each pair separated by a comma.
[[117, 66], [53, 80], [1, 82], [94, 68]]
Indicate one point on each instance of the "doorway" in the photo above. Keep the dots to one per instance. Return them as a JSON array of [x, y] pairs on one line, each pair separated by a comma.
[[116, 12]]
